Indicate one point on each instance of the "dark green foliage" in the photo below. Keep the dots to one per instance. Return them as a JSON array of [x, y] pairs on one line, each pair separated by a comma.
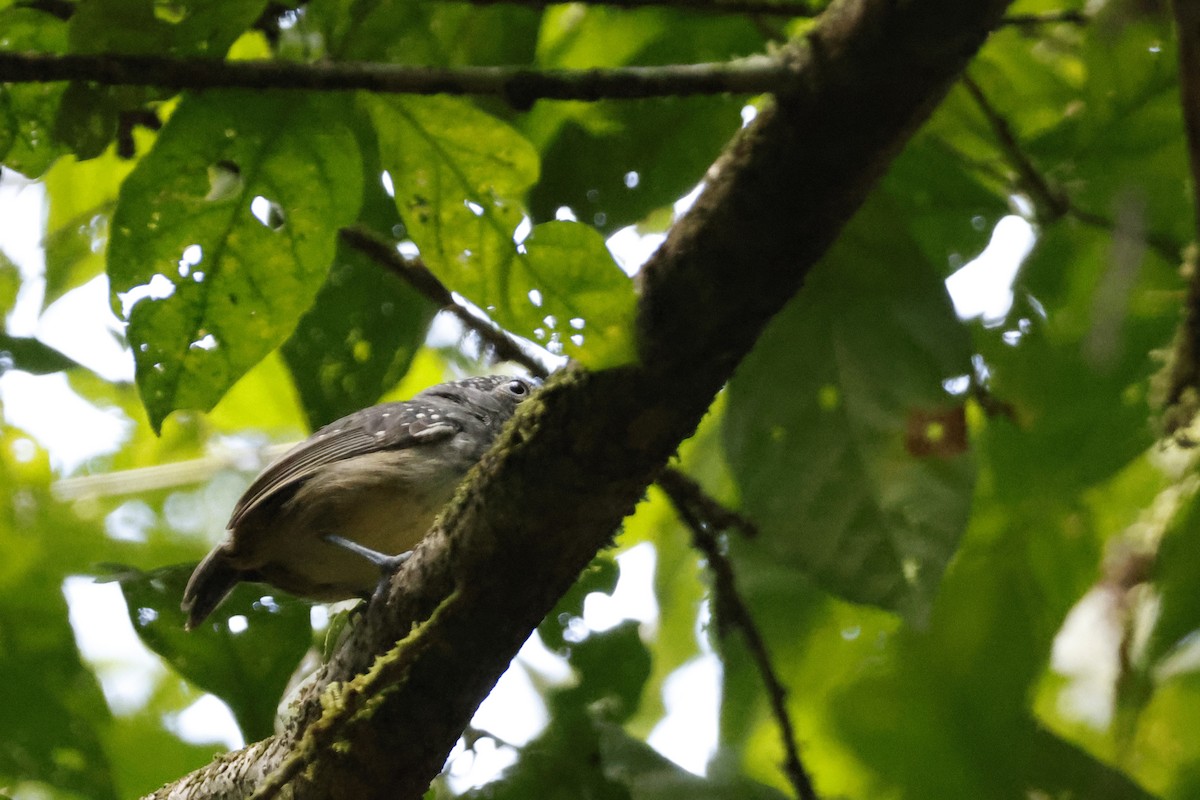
[[939, 501]]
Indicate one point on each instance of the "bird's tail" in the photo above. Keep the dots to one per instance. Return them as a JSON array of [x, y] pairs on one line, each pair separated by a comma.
[[213, 579]]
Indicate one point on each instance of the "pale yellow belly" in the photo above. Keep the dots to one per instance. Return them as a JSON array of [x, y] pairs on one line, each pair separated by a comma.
[[288, 551]]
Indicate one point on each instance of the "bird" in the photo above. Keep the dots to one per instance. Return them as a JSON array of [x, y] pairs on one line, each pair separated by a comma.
[[349, 503]]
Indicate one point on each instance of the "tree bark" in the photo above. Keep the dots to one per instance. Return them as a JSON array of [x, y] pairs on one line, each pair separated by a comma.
[[579, 456]]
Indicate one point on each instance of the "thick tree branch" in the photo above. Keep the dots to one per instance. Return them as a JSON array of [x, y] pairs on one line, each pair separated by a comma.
[[579, 455], [519, 86], [1181, 390]]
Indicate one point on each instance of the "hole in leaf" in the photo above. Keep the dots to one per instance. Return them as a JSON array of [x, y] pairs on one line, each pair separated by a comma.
[[224, 181], [268, 212], [205, 342], [160, 287]]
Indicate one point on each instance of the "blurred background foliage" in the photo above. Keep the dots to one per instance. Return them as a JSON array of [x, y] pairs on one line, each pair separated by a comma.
[[975, 567]]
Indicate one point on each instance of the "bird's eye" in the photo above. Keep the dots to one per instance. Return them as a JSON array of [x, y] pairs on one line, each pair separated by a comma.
[[518, 388]]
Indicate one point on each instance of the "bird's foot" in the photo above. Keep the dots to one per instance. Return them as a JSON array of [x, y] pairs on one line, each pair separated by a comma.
[[388, 565]]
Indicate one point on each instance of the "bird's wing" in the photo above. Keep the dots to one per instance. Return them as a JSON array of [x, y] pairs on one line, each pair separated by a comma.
[[387, 427]]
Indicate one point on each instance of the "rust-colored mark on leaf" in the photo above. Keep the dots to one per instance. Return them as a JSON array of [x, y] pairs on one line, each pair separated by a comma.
[[938, 432]]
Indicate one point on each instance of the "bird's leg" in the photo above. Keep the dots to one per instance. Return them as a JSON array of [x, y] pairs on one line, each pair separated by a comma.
[[388, 565]]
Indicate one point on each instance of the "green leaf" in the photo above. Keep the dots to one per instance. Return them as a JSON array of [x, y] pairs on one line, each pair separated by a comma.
[[417, 33], [613, 666], [30, 355], [81, 196], [609, 161], [10, 283], [87, 120], [948, 210], [234, 215], [848, 451], [366, 325], [244, 653], [459, 175], [182, 27], [27, 111], [357, 340], [586, 305]]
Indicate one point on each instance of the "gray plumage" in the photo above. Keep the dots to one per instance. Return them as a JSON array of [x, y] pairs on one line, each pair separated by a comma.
[[377, 477]]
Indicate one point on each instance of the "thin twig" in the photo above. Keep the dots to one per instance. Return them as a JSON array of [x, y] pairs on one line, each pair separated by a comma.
[[520, 86], [732, 610], [417, 275], [684, 491], [1051, 202]]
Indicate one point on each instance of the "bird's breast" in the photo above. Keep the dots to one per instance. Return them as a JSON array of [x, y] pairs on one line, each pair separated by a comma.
[[386, 501]]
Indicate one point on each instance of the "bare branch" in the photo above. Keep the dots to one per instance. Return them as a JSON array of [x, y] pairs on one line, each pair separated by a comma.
[[732, 612], [684, 491], [519, 86]]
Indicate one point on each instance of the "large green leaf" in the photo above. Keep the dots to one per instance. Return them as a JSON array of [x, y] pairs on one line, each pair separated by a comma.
[[244, 653], [233, 217], [81, 197], [366, 325], [417, 33], [459, 176], [185, 27], [615, 162], [27, 111], [30, 355], [848, 450]]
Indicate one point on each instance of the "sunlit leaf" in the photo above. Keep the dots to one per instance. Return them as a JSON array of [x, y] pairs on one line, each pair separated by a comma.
[[223, 235], [30, 355], [81, 198], [366, 324], [459, 176], [27, 111]]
